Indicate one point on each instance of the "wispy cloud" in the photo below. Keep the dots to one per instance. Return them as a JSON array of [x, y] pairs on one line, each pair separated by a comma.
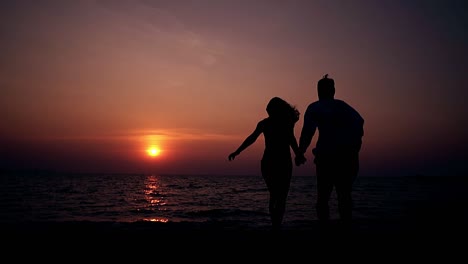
[[163, 29], [183, 134], [138, 135]]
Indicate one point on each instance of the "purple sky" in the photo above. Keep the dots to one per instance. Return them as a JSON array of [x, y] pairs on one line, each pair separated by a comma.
[[91, 85]]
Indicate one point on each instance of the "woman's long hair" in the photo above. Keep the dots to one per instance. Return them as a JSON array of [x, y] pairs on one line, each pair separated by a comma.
[[279, 109]]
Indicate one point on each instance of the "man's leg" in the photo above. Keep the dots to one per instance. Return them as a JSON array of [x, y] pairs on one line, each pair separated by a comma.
[[324, 189], [348, 169], [345, 202]]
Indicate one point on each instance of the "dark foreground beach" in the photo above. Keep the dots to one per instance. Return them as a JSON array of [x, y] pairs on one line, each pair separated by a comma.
[[408, 232], [366, 240]]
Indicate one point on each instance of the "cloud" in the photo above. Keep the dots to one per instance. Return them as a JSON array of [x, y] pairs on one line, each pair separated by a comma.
[[182, 134], [162, 29]]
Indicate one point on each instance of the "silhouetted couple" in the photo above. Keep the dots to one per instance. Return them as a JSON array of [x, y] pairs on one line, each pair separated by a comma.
[[336, 155]]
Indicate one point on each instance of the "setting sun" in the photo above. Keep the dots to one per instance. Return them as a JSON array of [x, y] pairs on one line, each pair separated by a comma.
[[153, 151]]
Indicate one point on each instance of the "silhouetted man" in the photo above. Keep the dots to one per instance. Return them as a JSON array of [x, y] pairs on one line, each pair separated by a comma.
[[337, 150]]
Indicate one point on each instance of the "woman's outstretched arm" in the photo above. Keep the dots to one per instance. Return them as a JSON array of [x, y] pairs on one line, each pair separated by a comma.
[[248, 141]]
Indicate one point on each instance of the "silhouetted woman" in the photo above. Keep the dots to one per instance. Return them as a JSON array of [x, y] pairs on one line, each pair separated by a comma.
[[276, 163]]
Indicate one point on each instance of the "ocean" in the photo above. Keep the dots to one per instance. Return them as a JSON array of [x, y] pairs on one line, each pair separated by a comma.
[[61, 197]]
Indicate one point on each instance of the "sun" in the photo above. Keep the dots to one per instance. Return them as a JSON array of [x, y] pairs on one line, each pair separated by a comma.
[[153, 151]]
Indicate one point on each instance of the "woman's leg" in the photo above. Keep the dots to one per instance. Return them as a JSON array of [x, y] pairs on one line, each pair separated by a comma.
[[277, 179]]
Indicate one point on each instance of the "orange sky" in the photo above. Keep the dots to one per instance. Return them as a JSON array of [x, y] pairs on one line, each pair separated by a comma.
[[88, 85]]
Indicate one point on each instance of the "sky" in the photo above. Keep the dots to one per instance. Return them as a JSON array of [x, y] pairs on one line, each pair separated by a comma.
[[90, 86]]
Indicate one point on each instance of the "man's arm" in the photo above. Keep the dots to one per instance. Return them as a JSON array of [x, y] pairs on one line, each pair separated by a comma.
[[357, 123], [308, 131]]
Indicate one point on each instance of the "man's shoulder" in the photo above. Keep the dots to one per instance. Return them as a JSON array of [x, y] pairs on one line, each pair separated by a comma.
[[344, 105], [340, 102], [347, 108], [313, 105]]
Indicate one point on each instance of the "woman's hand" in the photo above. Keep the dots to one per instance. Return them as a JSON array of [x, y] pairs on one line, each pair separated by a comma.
[[233, 155], [300, 159]]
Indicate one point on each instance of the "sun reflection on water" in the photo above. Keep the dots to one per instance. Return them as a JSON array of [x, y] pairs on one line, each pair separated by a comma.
[[154, 198], [161, 220]]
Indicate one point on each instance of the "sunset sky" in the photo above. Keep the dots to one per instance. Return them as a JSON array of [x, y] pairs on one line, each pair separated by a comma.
[[90, 86]]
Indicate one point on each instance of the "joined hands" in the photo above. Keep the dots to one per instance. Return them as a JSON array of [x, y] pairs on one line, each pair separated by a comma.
[[300, 159]]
